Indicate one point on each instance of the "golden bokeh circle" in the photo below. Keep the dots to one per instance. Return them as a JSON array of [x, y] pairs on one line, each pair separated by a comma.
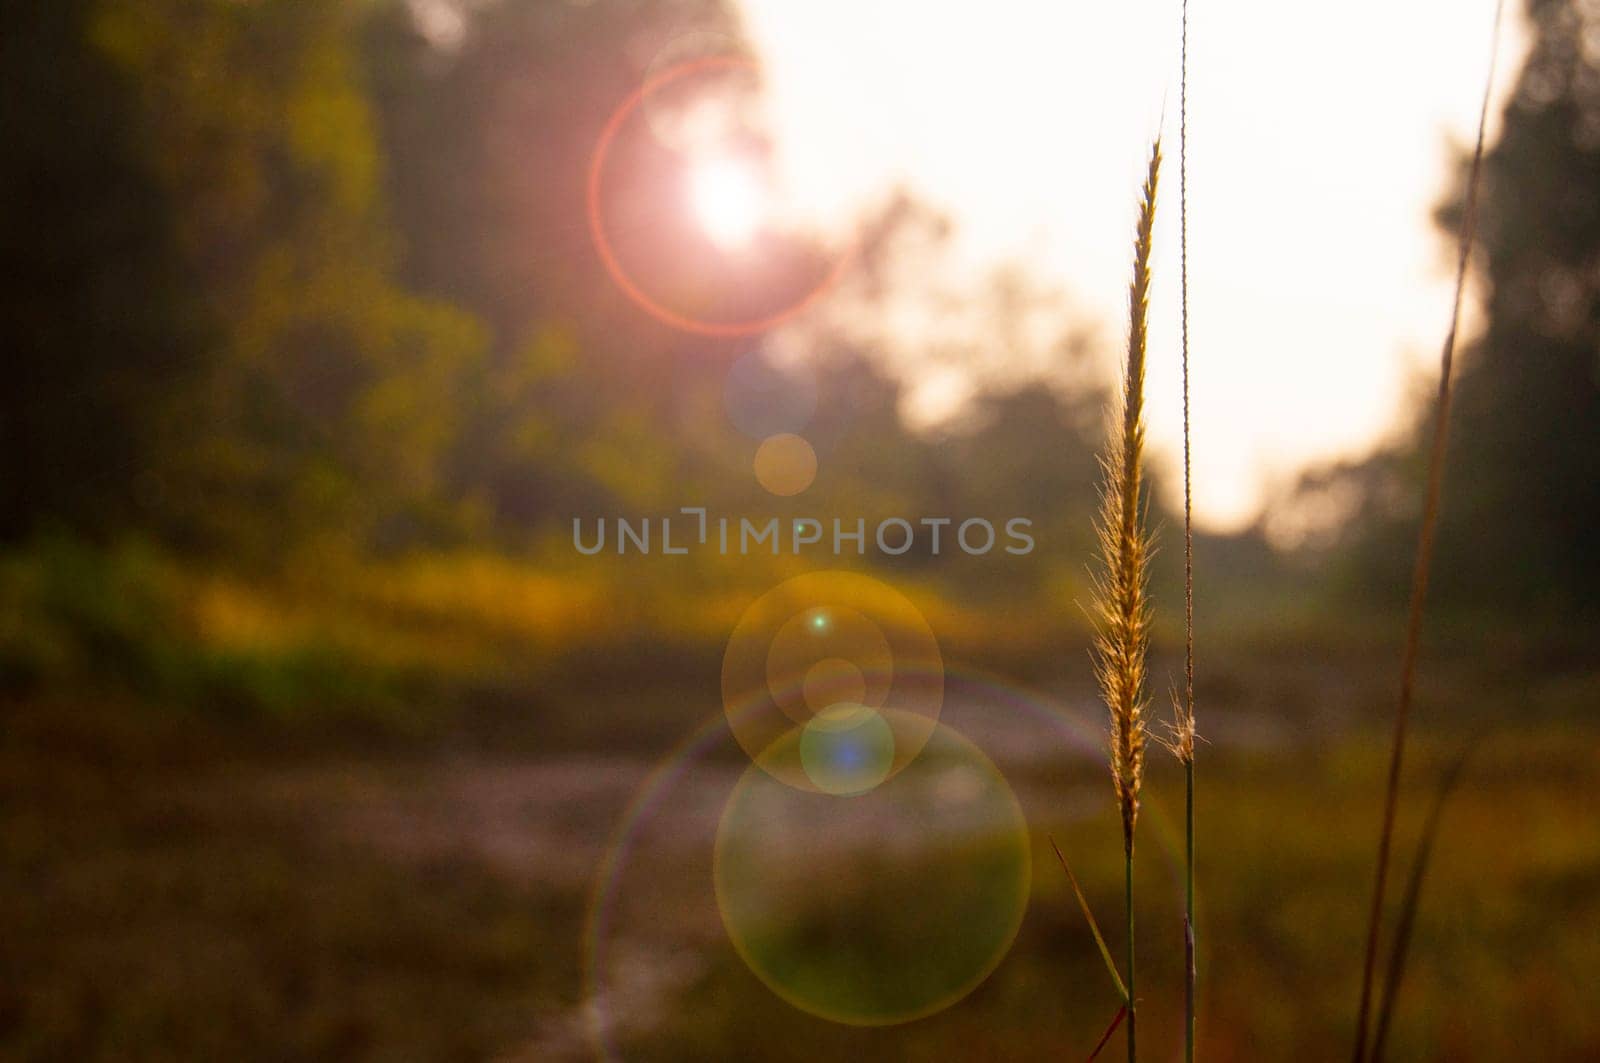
[[824, 639], [785, 464]]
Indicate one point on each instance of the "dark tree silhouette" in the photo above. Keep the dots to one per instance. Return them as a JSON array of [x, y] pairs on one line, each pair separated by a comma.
[[1524, 503]]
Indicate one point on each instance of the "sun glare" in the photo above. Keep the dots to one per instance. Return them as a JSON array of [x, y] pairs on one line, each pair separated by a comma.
[[729, 200], [850, 122]]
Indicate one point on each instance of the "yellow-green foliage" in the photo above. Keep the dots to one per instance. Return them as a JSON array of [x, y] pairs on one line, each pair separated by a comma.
[[330, 394]]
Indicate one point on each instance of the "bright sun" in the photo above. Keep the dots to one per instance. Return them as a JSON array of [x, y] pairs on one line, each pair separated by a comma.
[[730, 200]]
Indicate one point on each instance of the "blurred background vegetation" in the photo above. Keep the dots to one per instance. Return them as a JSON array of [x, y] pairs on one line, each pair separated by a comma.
[[310, 365]]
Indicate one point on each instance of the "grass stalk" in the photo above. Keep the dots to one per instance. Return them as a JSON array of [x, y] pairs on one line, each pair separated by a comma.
[[1190, 967], [1424, 560], [1122, 607], [1413, 900], [1183, 737], [1127, 878]]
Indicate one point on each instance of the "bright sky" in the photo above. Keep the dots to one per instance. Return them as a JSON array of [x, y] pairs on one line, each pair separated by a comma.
[[1319, 144]]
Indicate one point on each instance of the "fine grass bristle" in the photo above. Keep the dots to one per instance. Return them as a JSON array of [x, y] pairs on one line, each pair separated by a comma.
[[1181, 734], [1121, 605]]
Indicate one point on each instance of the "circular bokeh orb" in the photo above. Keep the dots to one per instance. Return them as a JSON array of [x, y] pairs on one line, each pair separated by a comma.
[[785, 464], [821, 640], [879, 907], [764, 399], [832, 681], [847, 749]]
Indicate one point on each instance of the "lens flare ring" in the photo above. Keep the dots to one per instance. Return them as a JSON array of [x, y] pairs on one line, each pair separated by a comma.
[[992, 698], [880, 905], [608, 255]]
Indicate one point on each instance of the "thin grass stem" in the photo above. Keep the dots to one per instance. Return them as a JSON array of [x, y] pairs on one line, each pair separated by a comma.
[[1424, 560], [1105, 1038], [1190, 967], [1127, 879], [1094, 926], [1413, 900], [1184, 739]]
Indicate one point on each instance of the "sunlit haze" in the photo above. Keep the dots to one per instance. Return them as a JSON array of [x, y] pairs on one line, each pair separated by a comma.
[[1321, 140], [729, 200]]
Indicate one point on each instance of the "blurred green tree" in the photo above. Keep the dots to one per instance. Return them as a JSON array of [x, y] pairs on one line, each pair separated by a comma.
[[313, 273], [327, 396], [586, 403], [211, 313]]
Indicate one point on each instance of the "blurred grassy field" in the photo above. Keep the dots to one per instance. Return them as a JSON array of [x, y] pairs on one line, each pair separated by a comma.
[[364, 819]]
